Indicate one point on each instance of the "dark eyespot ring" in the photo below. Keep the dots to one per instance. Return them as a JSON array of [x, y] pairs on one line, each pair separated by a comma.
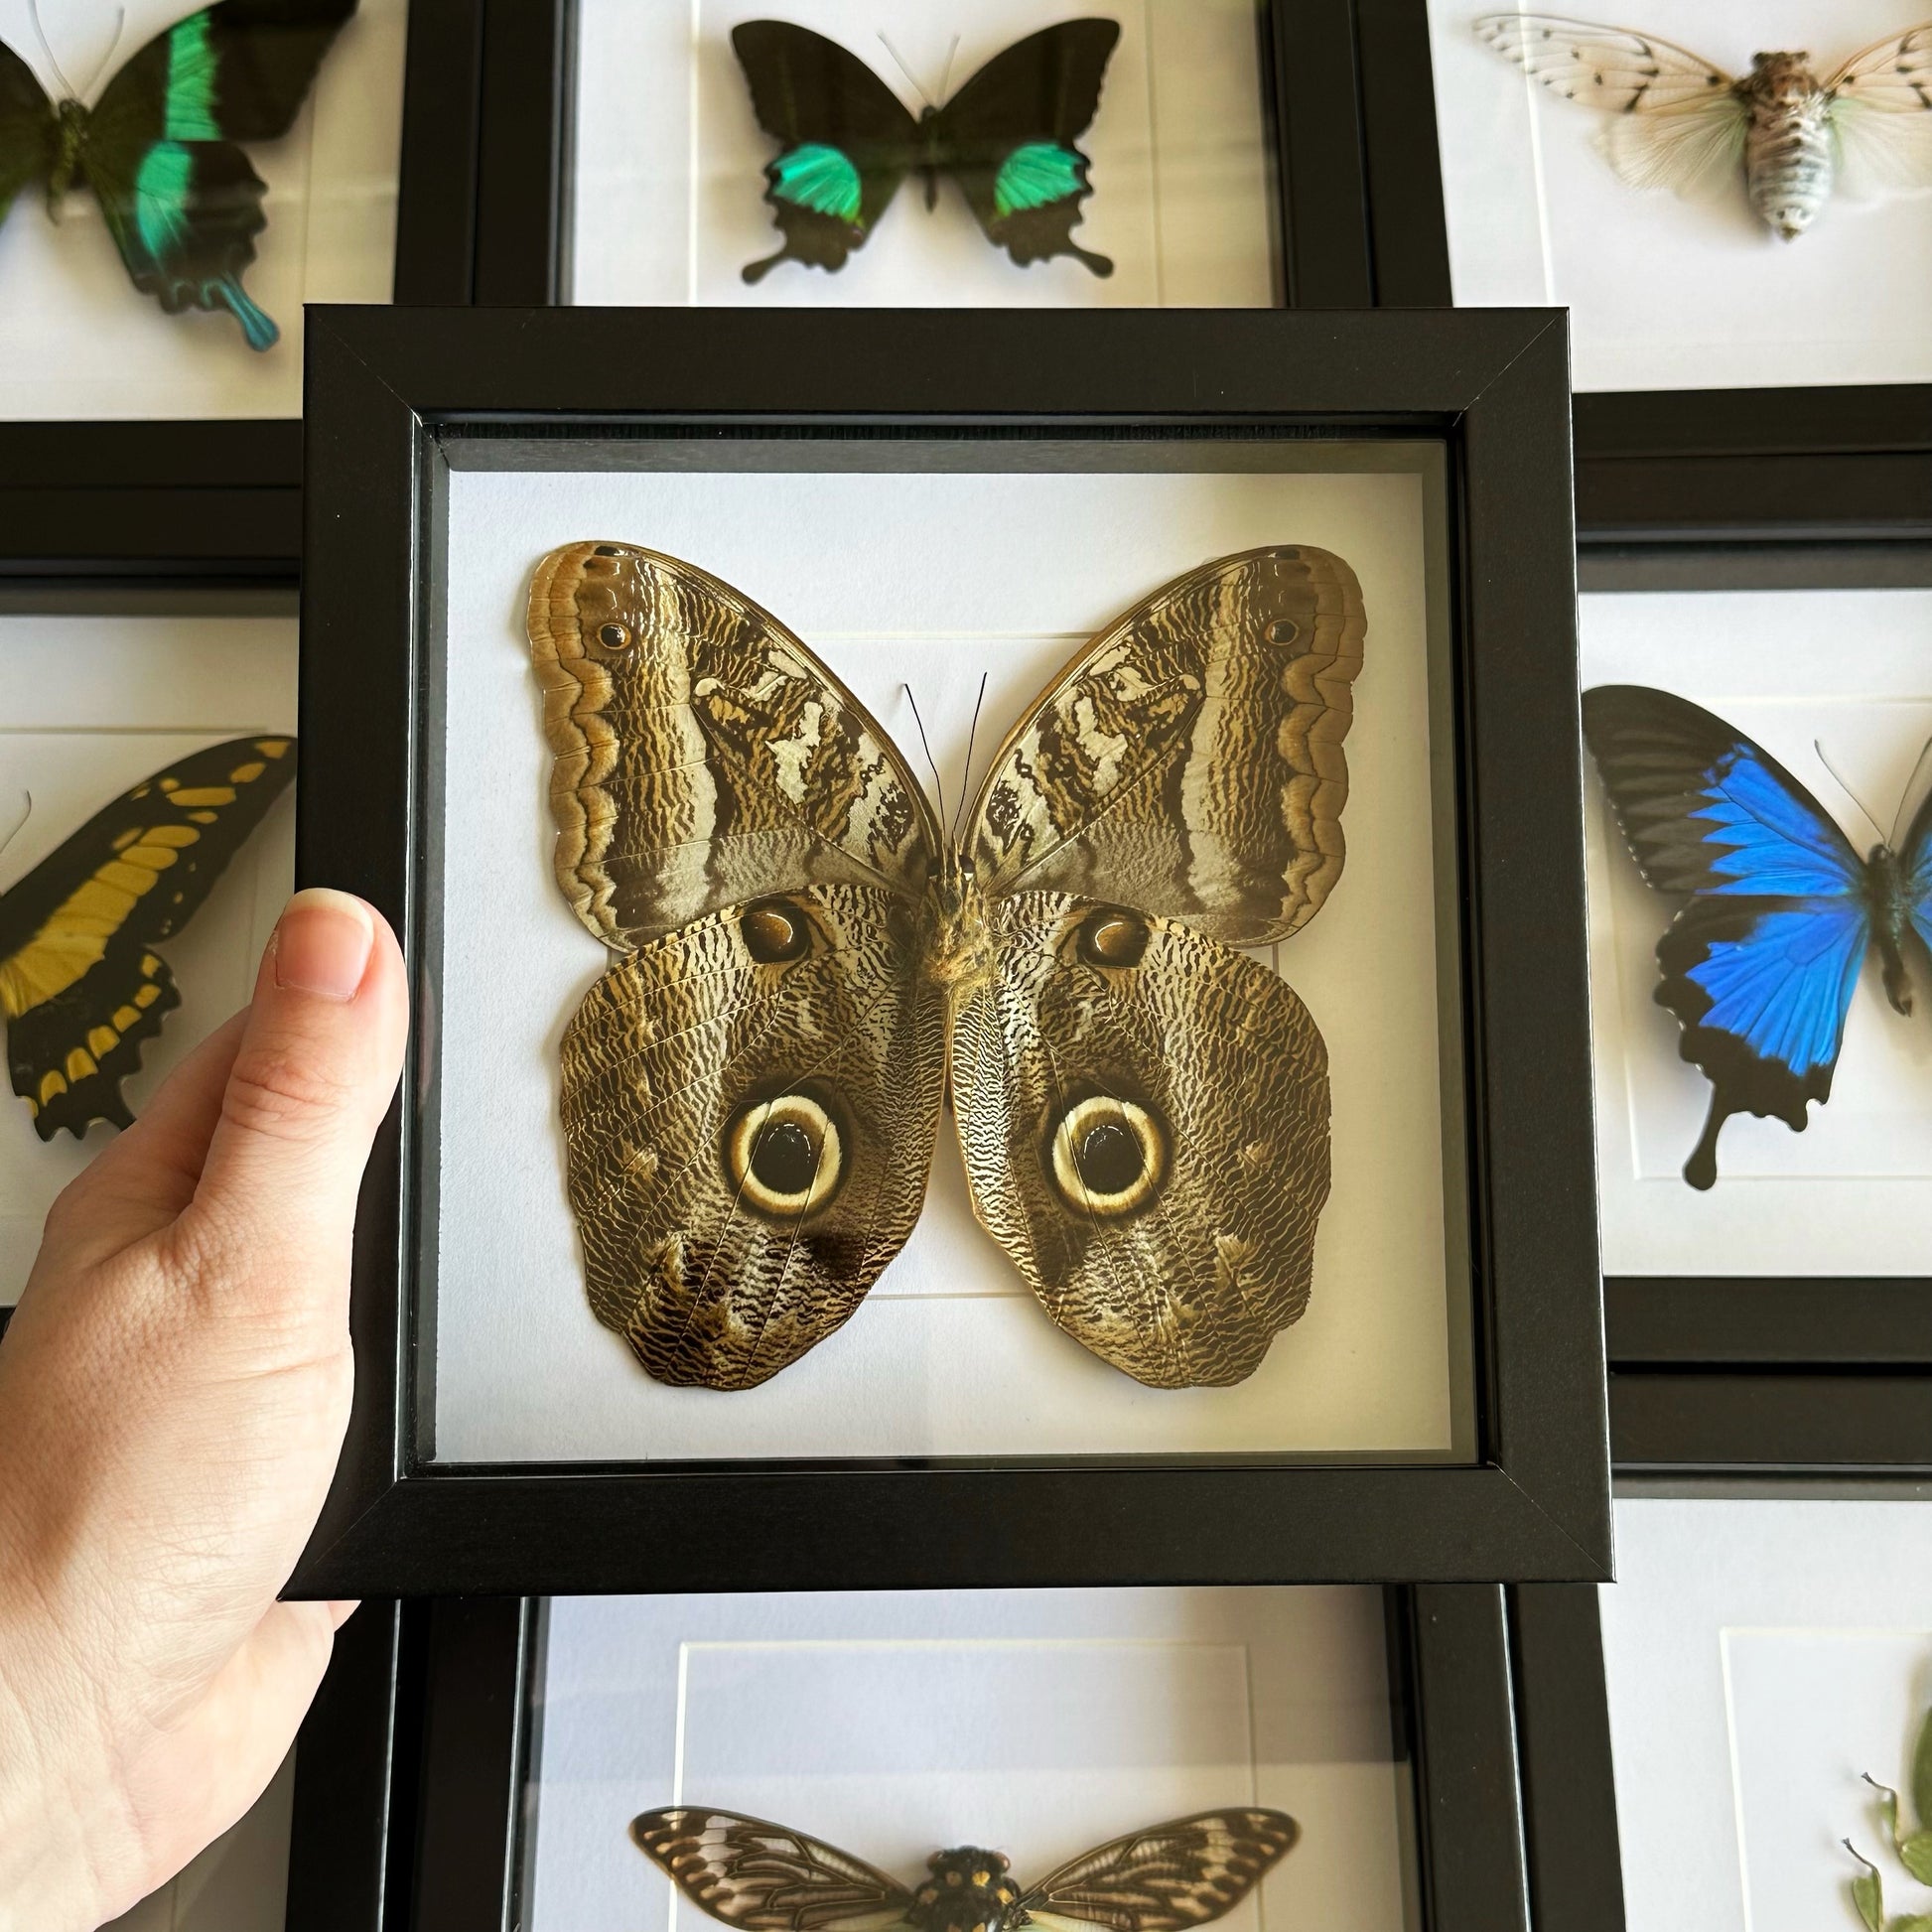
[[1110, 935], [784, 1155], [1108, 1156], [614, 637], [607, 550], [1288, 553], [1284, 630], [774, 931]]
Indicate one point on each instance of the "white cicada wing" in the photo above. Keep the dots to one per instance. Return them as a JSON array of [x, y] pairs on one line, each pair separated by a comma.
[[1882, 116], [1674, 121]]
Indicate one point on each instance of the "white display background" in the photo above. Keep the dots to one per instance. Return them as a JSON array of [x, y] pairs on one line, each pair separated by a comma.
[[238, 1885], [93, 706], [1666, 293], [1760, 1656], [1850, 670], [1039, 1722], [927, 579], [78, 340], [669, 182]]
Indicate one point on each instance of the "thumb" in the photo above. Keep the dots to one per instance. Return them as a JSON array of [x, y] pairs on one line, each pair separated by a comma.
[[312, 1078]]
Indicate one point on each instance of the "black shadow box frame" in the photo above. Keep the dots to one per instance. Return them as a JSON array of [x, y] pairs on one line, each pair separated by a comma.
[[1851, 463], [1461, 1703], [398, 401], [1822, 1375], [1312, 112], [215, 500]]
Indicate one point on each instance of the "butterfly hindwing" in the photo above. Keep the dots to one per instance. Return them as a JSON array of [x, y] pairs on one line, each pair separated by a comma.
[[750, 1106], [846, 141], [1007, 137], [1760, 966], [766, 1877], [79, 986], [705, 756], [181, 200], [1171, 1877], [1144, 1116], [1189, 761]]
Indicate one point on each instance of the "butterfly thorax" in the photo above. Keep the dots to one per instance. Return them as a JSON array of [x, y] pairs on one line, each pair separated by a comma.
[[1889, 900], [968, 1890], [1788, 154], [71, 140], [930, 153], [957, 937]]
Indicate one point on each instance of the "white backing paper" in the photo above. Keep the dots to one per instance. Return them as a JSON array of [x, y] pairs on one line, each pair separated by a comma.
[[668, 203], [927, 580], [1762, 1656], [93, 706], [1038, 1722], [78, 340], [1666, 293], [1847, 670]]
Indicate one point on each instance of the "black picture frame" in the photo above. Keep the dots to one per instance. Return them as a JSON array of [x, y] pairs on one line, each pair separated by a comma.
[[1823, 1375], [1842, 463], [1454, 1709], [1313, 114], [395, 397], [219, 501]]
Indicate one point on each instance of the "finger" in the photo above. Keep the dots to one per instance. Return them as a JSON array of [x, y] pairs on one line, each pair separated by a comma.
[[312, 1078]]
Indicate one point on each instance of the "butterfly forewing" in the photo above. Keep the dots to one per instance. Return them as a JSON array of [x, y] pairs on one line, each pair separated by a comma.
[[1168, 1878], [1190, 760], [27, 128], [704, 755], [79, 986], [768, 1877], [1144, 1116]]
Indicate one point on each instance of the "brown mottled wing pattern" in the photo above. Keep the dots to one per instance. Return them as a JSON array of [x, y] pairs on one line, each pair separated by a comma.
[[1144, 1114], [766, 1877], [750, 1106], [1189, 761], [1170, 1877], [704, 755]]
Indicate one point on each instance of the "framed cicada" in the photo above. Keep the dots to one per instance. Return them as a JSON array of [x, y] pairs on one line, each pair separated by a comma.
[[766, 1878]]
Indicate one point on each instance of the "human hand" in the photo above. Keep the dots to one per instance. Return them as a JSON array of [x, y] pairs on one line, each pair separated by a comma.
[[173, 1394]]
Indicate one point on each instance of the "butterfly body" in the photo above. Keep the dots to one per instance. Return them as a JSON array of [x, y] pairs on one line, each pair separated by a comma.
[[1762, 958], [763, 1877], [1006, 138], [808, 967], [1676, 120], [160, 148]]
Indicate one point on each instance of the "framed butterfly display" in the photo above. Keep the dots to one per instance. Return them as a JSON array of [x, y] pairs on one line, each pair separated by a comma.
[[947, 944]]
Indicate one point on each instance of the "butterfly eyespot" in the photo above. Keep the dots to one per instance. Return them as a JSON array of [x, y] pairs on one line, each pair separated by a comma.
[[607, 550], [1288, 554], [775, 932], [955, 1877], [614, 637], [1108, 1156], [1284, 630], [1110, 935], [784, 1156]]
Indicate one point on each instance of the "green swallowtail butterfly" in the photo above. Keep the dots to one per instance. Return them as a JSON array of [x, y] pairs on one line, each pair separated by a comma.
[[157, 148], [1006, 138]]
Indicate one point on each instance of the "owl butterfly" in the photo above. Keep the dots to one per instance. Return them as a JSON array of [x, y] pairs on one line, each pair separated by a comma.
[[159, 146], [752, 1091], [1006, 138], [767, 1878], [1676, 122], [79, 986], [1760, 963]]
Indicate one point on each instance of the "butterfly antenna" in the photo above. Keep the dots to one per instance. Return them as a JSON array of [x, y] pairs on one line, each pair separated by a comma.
[[1915, 790], [1877, 830], [910, 77], [120, 27], [20, 822], [40, 34], [966, 784], [945, 72], [931, 765]]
